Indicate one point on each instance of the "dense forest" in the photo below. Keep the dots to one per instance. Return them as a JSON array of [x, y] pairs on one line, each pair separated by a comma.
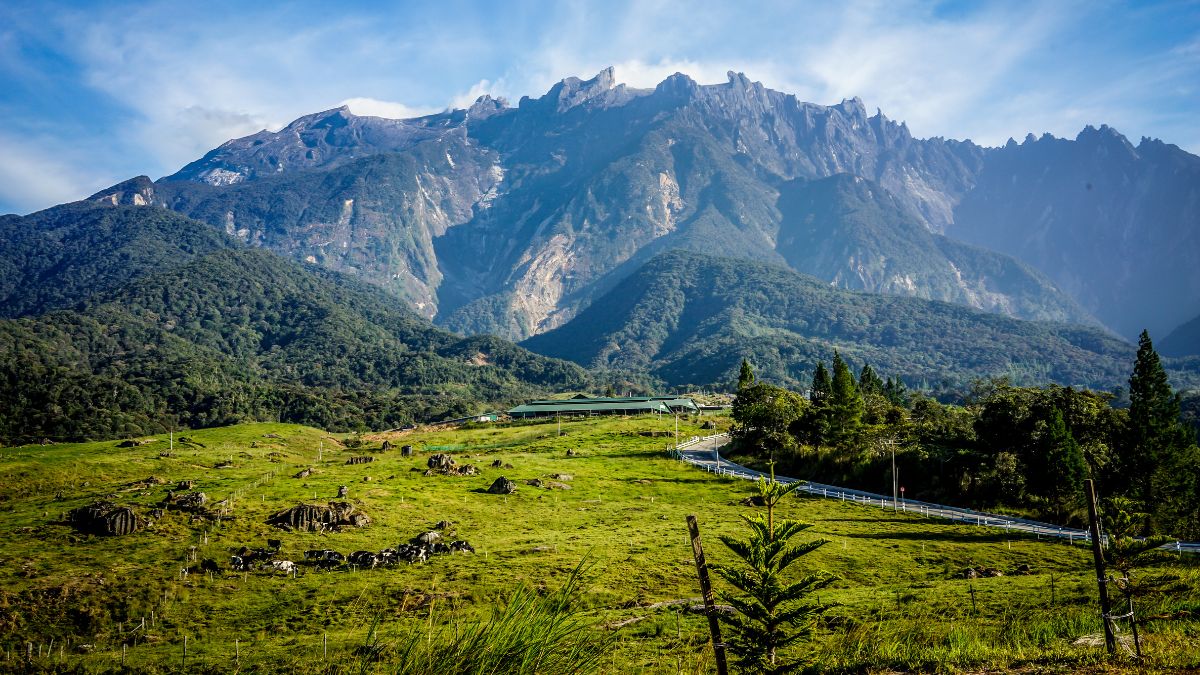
[[1019, 450], [689, 319], [239, 335]]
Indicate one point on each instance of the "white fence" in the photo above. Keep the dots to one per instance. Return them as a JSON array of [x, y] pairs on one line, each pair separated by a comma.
[[710, 460]]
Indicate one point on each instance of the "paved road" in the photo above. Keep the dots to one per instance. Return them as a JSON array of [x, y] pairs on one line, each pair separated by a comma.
[[704, 453]]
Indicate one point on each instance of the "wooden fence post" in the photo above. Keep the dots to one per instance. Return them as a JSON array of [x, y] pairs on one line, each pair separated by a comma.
[[1110, 640], [710, 610]]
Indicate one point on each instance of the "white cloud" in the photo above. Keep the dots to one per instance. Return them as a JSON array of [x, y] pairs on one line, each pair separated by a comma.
[[371, 107], [34, 175]]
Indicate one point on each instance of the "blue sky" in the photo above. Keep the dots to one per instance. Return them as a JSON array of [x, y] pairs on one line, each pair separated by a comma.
[[95, 92]]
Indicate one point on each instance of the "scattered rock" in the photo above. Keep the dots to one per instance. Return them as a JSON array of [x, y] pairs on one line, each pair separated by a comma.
[[365, 459], [535, 482], [387, 445], [498, 464], [502, 486], [708, 424], [443, 525], [272, 436], [366, 479], [753, 500], [133, 443], [104, 518], [342, 492], [304, 474], [440, 462], [572, 453], [406, 450], [562, 476], [314, 518], [186, 484], [429, 538], [186, 501]]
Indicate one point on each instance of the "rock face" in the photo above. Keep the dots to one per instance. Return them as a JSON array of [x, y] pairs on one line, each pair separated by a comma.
[[104, 518], [315, 518], [502, 486], [510, 220]]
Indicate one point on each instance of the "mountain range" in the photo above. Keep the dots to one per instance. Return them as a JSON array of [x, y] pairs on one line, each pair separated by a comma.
[[361, 271], [511, 219]]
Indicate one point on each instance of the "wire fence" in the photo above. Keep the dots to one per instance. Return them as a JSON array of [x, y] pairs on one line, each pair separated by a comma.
[[707, 457]]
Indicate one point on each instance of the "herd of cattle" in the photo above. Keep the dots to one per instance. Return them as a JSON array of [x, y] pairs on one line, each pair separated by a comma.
[[418, 550]]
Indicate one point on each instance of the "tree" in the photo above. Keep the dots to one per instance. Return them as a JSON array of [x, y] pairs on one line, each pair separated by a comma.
[[763, 415], [770, 614], [1156, 436], [895, 391], [845, 405], [814, 426], [745, 375], [869, 383], [1065, 469]]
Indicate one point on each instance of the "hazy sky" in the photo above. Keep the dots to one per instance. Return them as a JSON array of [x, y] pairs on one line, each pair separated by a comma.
[[96, 92]]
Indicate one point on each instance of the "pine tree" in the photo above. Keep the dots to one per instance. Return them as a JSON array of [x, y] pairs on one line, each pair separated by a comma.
[[1065, 468], [816, 420], [895, 391], [1156, 437], [869, 383], [770, 614], [845, 405], [745, 375]]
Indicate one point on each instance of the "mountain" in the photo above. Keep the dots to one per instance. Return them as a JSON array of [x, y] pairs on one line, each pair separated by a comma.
[[690, 319], [510, 219], [1113, 225], [240, 334], [850, 231], [1183, 341], [55, 258]]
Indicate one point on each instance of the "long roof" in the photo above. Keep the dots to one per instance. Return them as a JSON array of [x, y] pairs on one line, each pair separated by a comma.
[[671, 401], [534, 407]]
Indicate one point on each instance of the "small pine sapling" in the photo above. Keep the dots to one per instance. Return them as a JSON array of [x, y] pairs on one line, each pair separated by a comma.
[[770, 615]]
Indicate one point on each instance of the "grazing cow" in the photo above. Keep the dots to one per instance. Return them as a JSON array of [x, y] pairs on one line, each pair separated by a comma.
[[364, 559], [239, 564], [461, 546], [413, 554], [209, 565], [325, 558], [389, 557], [274, 545], [285, 566]]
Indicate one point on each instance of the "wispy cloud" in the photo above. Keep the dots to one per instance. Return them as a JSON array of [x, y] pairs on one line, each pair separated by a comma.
[[164, 81]]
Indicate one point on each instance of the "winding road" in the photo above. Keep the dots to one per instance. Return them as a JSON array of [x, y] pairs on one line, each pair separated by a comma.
[[705, 454]]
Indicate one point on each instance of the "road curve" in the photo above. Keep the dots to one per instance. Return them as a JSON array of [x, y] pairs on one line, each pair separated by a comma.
[[705, 454]]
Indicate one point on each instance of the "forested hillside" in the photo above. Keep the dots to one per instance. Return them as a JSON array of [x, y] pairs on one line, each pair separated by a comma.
[[690, 319], [242, 334]]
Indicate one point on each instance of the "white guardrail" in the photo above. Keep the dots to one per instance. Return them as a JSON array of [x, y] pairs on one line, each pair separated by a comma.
[[709, 459]]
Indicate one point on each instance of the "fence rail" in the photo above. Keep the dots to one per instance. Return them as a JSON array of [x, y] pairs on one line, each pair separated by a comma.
[[703, 452]]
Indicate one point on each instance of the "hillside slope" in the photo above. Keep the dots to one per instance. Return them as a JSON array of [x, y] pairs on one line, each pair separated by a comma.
[[690, 319], [244, 334]]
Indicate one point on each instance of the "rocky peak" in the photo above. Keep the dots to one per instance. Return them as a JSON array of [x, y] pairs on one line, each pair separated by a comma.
[[572, 91], [485, 106], [137, 191]]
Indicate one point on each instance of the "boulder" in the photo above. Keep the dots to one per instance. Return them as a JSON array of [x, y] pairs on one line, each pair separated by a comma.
[[440, 462], [316, 518], [304, 474], [498, 464], [502, 486], [104, 518]]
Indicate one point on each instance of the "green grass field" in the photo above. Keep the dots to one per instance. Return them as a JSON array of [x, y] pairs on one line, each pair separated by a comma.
[[78, 598]]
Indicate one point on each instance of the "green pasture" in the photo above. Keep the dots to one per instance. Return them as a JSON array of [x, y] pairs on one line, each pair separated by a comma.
[[82, 600]]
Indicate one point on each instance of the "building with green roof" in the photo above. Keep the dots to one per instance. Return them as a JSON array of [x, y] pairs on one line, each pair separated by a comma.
[[585, 406]]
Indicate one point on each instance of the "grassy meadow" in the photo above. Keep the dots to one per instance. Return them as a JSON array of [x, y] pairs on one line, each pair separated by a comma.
[[85, 602]]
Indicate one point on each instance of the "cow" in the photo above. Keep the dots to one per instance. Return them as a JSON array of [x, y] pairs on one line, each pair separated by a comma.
[[461, 546], [210, 565], [389, 557], [285, 566], [364, 559], [274, 545], [325, 558], [239, 564]]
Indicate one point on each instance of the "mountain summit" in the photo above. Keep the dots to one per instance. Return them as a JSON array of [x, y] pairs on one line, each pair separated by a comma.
[[512, 219]]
